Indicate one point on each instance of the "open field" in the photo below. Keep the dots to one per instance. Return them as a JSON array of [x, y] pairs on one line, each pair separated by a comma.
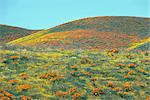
[[52, 74]]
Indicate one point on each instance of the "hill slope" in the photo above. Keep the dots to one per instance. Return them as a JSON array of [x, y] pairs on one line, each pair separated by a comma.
[[141, 45], [9, 33], [128, 25], [95, 32]]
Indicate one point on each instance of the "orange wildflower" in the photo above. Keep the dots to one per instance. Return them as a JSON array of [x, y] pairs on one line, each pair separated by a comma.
[[147, 98], [87, 73], [24, 75], [126, 76], [132, 65], [126, 93], [129, 56], [14, 57], [131, 72], [24, 86], [44, 76], [63, 67], [121, 65], [76, 95], [13, 81], [127, 85], [8, 94], [110, 84], [23, 98], [74, 89], [142, 70], [74, 67], [114, 51], [97, 91], [5, 98], [117, 89], [1, 95], [61, 94]]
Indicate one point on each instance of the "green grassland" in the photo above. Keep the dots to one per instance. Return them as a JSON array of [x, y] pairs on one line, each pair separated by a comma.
[[58, 74]]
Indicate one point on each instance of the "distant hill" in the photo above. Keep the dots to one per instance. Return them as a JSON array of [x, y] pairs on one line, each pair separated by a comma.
[[127, 25], [9, 33], [95, 32]]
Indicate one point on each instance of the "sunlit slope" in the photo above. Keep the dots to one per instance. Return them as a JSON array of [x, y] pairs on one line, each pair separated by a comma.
[[141, 45], [29, 38]]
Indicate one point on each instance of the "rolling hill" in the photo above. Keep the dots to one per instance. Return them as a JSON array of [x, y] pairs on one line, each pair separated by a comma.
[[95, 32], [9, 33]]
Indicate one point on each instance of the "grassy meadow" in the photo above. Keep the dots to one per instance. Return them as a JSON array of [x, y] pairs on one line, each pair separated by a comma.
[[58, 74]]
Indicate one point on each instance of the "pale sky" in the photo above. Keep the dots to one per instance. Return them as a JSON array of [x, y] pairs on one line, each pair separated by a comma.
[[43, 14]]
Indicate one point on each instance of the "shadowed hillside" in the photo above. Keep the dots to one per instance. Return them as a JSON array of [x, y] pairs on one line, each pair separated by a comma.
[[9, 33]]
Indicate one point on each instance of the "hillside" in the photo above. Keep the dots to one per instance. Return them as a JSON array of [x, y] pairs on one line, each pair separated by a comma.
[[9, 33], [140, 45], [95, 32], [128, 25]]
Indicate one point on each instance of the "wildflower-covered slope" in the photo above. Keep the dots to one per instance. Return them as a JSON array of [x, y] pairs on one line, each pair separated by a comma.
[[96, 32]]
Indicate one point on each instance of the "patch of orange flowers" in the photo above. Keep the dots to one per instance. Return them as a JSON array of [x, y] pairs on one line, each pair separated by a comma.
[[132, 65], [76, 96], [7, 94], [129, 56], [24, 87], [74, 67], [87, 73], [72, 90], [127, 86], [147, 97], [97, 91], [113, 51], [25, 98], [126, 76], [131, 72], [44, 76], [61, 94], [117, 89], [14, 57], [121, 65], [24, 75], [110, 84], [13, 81], [143, 71]]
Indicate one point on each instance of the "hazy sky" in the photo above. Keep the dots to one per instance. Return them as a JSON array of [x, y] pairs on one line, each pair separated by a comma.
[[39, 14]]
